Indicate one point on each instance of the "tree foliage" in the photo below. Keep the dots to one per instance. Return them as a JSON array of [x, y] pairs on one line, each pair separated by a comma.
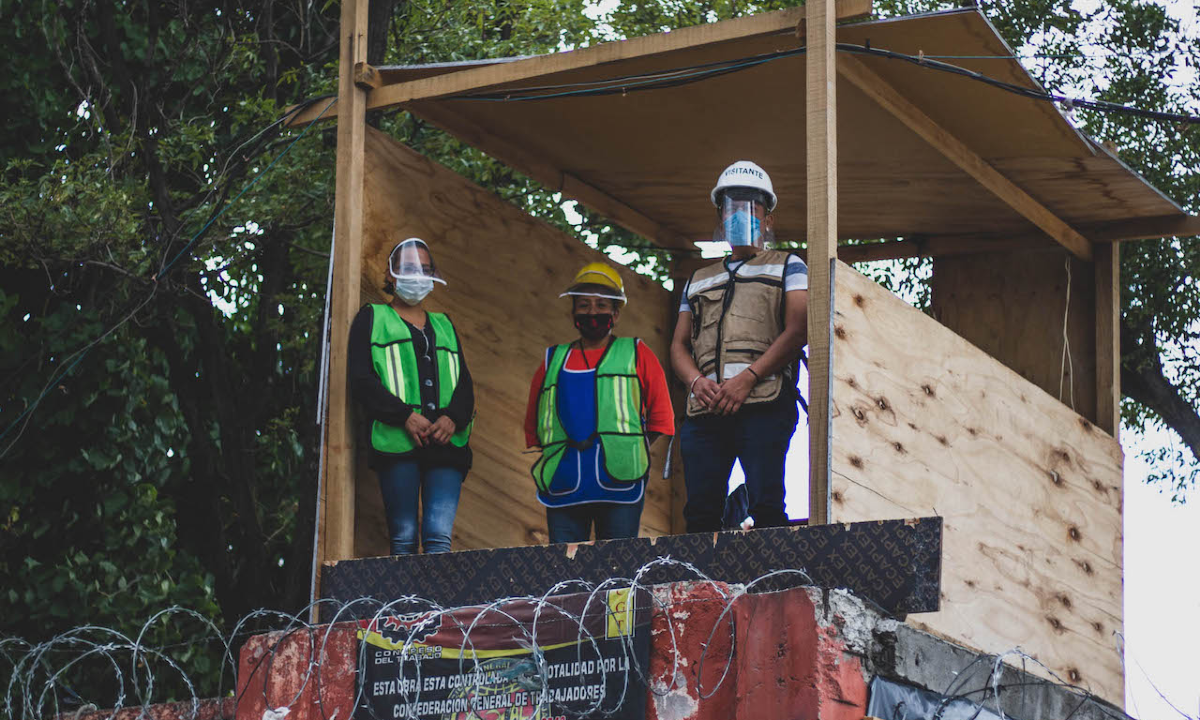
[[162, 323]]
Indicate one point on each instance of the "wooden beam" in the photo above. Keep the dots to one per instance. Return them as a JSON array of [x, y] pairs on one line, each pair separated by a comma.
[[821, 63], [1145, 228], [1108, 338], [876, 88], [941, 247], [550, 175], [945, 245], [486, 76], [338, 530], [366, 77]]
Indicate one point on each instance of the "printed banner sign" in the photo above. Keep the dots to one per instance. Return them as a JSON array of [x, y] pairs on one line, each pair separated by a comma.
[[479, 662]]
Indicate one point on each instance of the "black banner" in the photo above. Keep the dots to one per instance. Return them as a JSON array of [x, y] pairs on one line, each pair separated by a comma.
[[479, 662], [896, 564]]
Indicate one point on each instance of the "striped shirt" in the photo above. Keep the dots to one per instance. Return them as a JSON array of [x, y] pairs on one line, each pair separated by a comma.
[[795, 277]]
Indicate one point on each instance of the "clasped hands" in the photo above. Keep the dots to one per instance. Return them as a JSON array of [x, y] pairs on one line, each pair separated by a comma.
[[724, 398], [424, 432]]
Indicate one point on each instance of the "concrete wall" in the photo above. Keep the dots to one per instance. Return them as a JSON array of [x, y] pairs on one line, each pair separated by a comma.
[[716, 654]]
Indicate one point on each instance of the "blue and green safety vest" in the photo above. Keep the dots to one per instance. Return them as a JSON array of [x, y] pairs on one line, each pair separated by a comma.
[[618, 426]]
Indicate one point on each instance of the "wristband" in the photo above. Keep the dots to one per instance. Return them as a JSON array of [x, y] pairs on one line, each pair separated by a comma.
[[698, 376], [751, 371]]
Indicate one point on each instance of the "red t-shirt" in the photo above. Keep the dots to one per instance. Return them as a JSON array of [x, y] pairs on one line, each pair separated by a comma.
[[660, 418]]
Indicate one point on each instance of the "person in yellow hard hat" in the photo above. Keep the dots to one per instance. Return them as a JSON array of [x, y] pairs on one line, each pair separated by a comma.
[[742, 325], [595, 406]]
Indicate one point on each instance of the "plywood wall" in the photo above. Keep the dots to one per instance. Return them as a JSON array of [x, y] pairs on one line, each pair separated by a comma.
[[924, 423], [504, 270], [1012, 305]]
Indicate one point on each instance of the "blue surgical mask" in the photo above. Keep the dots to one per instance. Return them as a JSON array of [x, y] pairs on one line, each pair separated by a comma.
[[742, 228], [413, 290]]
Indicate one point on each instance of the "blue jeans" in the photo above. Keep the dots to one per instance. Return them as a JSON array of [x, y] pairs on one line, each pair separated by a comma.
[[402, 482], [757, 435], [612, 520]]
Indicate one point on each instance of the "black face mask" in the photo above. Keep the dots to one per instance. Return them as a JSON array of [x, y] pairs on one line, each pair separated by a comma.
[[594, 327]]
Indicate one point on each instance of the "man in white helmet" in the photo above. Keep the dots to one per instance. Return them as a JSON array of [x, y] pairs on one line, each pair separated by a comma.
[[742, 325]]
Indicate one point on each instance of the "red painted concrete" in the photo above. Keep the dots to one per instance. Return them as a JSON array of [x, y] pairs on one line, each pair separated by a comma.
[[842, 689], [790, 663], [695, 609], [777, 649], [283, 670], [204, 710]]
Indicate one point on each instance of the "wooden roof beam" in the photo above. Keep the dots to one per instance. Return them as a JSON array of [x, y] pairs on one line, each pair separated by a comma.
[[878, 89], [486, 76], [945, 245], [550, 175]]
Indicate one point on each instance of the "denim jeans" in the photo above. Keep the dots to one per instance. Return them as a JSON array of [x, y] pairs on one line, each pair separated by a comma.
[[402, 482], [612, 520], [757, 435]]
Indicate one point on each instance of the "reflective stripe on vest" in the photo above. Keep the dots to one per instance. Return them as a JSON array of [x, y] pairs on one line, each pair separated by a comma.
[[618, 427], [395, 362], [735, 318]]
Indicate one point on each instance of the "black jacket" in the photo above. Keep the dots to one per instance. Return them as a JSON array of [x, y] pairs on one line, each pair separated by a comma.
[[380, 404]]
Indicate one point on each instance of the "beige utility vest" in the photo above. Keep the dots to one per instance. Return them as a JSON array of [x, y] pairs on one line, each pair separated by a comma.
[[735, 318]]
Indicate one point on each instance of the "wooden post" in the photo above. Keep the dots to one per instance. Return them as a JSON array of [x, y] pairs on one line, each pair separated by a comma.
[[1108, 337], [337, 531], [821, 126]]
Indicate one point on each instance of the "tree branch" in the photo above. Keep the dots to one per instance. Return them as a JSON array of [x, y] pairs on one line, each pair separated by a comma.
[[1143, 381]]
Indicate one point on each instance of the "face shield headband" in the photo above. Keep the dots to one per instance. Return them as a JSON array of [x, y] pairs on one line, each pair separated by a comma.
[[406, 263]]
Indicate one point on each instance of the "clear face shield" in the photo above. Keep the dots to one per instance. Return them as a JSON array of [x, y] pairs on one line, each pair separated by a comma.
[[411, 261], [411, 266], [743, 215]]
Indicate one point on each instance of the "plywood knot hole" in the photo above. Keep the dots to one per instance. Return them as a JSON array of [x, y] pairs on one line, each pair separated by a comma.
[[970, 583], [942, 439], [1063, 455], [913, 426], [899, 448], [1099, 486], [860, 301], [856, 461], [836, 496], [882, 402], [851, 382], [1064, 601], [840, 332], [972, 431], [1055, 623], [1098, 627], [928, 390], [1074, 533], [859, 414], [1054, 478], [1085, 566], [1085, 424], [1074, 675]]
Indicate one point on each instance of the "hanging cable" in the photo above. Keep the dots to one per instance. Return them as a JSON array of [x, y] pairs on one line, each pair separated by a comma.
[[685, 75], [81, 353]]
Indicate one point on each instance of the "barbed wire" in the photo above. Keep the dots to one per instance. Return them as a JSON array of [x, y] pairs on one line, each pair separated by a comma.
[[43, 678]]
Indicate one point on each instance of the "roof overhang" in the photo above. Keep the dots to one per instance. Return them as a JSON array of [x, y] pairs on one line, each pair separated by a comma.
[[921, 153]]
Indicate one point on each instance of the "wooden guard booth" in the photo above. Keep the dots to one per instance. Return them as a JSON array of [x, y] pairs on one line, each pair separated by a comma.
[[974, 413]]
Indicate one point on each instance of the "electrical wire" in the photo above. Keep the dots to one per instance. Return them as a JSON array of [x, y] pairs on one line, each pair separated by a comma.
[[685, 75], [80, 354]]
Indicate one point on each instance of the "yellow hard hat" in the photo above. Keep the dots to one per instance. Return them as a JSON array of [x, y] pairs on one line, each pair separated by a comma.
[[597, 280]]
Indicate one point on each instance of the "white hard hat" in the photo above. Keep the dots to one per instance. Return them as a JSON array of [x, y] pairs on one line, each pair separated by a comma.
[[745, 174]]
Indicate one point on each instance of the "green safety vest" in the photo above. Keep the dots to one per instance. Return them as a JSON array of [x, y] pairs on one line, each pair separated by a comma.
[[619, 427], [395, 363]]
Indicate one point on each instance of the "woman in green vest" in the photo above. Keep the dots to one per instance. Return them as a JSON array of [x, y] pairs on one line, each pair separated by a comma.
[[407, 371]]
